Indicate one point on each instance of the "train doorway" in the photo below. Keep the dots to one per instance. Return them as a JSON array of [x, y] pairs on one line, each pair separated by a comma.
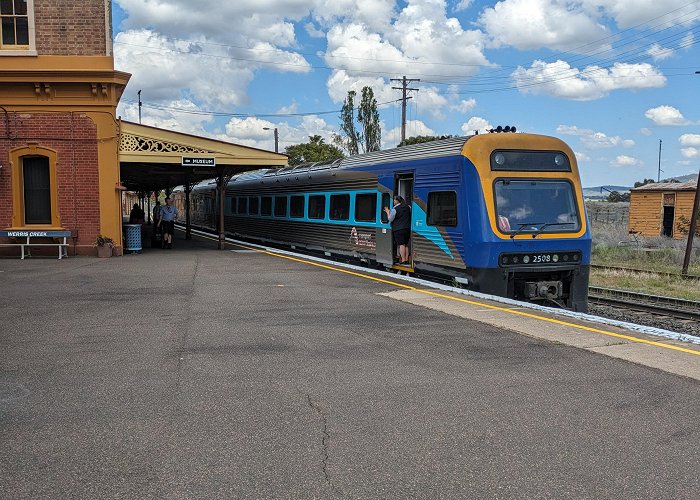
[[403, 186]]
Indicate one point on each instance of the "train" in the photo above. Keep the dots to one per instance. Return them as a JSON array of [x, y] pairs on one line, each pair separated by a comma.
[[499, 213]]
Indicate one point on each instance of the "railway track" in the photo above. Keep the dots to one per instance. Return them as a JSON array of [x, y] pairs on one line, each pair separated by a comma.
[[687, 310], [689, 277]]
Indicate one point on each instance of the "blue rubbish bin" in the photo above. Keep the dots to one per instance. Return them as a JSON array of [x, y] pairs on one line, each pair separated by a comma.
[[132, 237]]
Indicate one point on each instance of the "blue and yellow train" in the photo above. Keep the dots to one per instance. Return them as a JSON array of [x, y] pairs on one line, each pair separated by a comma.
[[499, 213]]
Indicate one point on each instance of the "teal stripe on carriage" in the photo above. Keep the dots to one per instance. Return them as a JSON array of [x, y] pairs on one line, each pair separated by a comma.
[[431, 233]]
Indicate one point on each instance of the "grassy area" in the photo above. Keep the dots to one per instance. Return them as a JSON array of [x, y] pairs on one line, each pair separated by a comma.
[[612, 246]]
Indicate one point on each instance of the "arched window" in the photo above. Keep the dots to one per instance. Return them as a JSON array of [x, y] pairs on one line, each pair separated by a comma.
[[36, 174], [35, 199]]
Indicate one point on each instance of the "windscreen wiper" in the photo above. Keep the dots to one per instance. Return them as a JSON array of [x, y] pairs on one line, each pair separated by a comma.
[[521, 228], [540, 229]]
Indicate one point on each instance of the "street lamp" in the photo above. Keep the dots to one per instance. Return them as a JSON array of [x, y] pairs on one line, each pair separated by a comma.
[[277, 138]]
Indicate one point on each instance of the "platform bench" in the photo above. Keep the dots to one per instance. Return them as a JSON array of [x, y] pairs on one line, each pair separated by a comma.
[[24, 239]]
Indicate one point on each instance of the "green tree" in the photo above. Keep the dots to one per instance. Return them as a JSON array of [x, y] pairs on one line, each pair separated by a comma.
[[643, 183], [368, 116], [348, 131], [314, 150], [349, 138], [615, 197], [417, 139]]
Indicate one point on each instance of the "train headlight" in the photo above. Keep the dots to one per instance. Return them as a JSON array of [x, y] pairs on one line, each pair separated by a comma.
[[555, 258], [559, 160], [515, 260], [500, 159], [575, 257], [526, 259], [504, 260]]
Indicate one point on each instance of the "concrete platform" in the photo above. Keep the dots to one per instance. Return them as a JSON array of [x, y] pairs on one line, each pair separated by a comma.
[[194, 372]]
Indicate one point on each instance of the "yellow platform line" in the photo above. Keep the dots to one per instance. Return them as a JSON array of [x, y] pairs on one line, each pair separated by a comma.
[[475, 303]]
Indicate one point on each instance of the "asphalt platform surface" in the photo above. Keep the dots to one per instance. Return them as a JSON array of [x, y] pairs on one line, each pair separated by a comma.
[[198, 373]]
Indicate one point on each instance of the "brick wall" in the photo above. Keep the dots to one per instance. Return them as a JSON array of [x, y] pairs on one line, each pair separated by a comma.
[[74, 138], [70, 27]]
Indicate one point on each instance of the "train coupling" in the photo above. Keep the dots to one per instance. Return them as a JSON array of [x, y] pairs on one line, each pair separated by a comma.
[[544, 290]]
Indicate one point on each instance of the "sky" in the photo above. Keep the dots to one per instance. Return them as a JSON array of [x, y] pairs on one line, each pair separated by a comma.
[[615, 79]]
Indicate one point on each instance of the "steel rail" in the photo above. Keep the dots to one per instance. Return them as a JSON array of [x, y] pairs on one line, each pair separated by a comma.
[[690, 277], [655, 304]]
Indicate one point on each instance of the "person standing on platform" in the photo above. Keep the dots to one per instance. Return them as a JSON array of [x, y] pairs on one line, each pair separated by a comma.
[[400, 220], [156, 236], [168, 214]]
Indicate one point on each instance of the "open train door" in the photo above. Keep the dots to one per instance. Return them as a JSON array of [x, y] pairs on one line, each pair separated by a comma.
[[386, 249], [404, 188]]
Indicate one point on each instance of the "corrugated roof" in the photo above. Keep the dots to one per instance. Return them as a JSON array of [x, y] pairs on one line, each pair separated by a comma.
[[668, 186]]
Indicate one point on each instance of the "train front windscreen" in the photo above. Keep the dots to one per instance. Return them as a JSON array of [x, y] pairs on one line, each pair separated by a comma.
[[539, 206]]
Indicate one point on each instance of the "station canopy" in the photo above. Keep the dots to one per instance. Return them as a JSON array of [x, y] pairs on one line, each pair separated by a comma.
[[151, 159]]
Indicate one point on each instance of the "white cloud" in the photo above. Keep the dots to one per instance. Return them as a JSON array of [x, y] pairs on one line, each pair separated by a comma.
[[628, 13], [625, 161], [465, 106], [190, 120], [659, 53], [251, 132], [463, 5], [535, 24], [690, 140], [595, 140], [690, 152], [476, 124], [581, 156], [645, 131], [391, 138], [340, 82], [558, 79], [687, 41], [165, 69], [666, 116]]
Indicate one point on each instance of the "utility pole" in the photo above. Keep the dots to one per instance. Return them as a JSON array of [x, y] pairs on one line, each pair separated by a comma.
[[139, 93], [658, 178], [691, 229], [404, 88]]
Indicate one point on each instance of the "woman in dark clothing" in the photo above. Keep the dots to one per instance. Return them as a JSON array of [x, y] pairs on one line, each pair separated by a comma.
[[400, 219]]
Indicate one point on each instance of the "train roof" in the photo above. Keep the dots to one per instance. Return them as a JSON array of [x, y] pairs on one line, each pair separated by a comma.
[[433, 149]]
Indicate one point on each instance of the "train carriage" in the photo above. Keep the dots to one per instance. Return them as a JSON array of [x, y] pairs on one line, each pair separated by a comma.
[[500, 213]]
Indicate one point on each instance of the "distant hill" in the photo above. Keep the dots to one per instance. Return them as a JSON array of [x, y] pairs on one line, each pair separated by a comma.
[[602, 192], [682, 178]]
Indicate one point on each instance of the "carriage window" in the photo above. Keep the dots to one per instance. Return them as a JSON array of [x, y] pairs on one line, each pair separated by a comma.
[[230, 205], [442, 208], [296, 206], [266, 205], [317, 207], [253, 205], [340, 207], [366, 207], [386, 202], [280, 206], [242, 205], [536, 206]]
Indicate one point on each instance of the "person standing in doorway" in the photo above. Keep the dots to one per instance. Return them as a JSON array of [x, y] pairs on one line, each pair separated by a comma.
[[156, 236], [168, 214], [400, 220]]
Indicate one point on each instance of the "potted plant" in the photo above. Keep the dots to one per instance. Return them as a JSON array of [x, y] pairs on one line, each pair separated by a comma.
[[104, 246]]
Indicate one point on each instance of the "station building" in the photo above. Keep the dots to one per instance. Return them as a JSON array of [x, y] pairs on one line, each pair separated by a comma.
[[61, 143], [662, 209]]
